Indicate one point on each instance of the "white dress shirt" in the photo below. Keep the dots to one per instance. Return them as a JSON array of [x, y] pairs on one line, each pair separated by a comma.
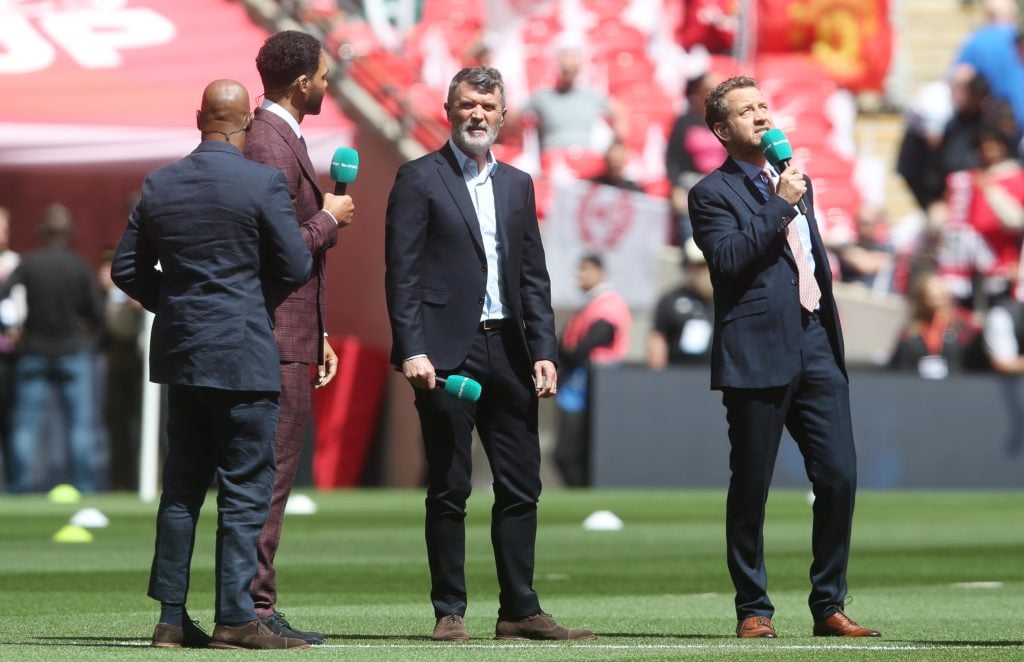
[[481, 192]]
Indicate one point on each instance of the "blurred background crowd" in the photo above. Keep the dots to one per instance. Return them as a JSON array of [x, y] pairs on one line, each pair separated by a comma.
[[908, 115]]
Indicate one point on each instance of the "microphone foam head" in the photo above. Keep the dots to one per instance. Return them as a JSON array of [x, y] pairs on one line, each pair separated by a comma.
[[344, 165], [775, 146], [463, 388]]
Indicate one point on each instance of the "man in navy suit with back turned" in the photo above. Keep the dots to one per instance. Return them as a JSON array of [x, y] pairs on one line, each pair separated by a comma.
[[211, 232], [468, 293], [777, 356]]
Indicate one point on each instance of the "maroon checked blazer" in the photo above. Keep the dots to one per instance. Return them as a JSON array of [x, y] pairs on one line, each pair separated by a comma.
[[272, 142]]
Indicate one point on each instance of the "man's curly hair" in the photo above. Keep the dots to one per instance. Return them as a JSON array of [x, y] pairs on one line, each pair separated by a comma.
[[284, 57]]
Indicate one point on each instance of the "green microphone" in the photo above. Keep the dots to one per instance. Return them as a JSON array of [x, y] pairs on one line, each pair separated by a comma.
[[461, 387], [778, 151], [344, 168]]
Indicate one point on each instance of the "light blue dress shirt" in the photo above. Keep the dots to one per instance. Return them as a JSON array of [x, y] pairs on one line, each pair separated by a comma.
[[481, 192]]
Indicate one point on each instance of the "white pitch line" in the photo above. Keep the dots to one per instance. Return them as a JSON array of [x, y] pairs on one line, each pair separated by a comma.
[[587, 646], [584, 646]]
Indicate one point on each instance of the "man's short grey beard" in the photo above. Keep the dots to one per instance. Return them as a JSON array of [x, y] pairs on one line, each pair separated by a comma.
[[462, 142]]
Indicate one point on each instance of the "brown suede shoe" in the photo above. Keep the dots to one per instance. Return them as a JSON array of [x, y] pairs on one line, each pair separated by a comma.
[[841, 625], [190, 635], [450, 627], [539, 626], [756, 627], [253, 635]]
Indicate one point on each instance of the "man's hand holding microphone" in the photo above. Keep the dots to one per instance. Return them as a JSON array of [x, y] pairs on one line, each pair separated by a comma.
[[340, 207], [344, 169]]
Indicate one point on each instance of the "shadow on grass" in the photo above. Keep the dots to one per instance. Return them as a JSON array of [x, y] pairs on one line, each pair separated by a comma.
[[97, 642], [415, 638], [661, 635], [140, 642]]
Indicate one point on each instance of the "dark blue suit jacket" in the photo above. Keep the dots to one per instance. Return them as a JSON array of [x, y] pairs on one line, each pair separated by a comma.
[[217, 224], [758, 327], [436, 267]]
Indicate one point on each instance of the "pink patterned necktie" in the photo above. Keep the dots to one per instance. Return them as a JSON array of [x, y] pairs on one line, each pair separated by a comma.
[[810, 293]]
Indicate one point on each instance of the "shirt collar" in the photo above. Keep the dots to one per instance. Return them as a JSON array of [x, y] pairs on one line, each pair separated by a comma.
[[597, 291], [279, 110], [464, 158], [749, 169]]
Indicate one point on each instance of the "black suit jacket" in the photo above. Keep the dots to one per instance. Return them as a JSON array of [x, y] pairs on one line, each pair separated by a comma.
[[437, 271], [216, 223], [758, 327]]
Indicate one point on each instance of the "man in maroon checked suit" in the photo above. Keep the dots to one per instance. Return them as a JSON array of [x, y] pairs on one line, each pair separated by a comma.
[[293, 69]]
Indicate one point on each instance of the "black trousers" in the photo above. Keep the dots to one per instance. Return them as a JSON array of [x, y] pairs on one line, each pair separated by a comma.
[[506, 419], [815, 408], [227, 435]]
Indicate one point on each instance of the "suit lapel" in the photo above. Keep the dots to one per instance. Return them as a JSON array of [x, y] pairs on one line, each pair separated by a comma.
[[501, 207], [738, 181], [451, 175], [296, 145]]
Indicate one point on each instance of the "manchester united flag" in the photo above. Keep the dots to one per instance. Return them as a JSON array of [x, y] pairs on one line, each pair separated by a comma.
[[851, 38]]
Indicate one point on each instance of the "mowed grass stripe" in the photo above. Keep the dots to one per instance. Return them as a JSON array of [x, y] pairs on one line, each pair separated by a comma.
[[939, 573]]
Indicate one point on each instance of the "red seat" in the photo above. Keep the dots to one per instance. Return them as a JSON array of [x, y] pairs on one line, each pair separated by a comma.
[[627, 69], [583, 162], [611, 37], [607, 9], [453, 12]]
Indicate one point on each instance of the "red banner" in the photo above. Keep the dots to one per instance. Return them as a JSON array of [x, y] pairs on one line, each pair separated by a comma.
[[710, 23], [851, 38]]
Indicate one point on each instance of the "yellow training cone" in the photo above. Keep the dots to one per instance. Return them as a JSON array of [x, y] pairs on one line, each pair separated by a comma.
[[64, 493], [72, 533]]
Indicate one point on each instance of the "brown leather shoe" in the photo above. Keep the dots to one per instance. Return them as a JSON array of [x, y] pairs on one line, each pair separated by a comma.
[[252, 635], [539, 626], [190, 635], [450, 627], [841, 625], [756, 627]]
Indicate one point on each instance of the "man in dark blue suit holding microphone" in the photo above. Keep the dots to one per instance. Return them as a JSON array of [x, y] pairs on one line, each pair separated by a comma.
[[468, 294], [777, 354], [210, 234]]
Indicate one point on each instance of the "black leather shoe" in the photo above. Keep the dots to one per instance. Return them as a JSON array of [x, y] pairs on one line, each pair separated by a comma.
[[282, 628]]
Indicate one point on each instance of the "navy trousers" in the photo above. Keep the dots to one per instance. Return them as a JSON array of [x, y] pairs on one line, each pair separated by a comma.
[[227, 436], [815, 409]]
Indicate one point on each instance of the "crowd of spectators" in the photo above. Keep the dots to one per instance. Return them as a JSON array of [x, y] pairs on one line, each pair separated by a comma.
[[956, 261]]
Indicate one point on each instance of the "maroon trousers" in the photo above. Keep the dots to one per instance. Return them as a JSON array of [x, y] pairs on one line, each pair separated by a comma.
[[296, 404]]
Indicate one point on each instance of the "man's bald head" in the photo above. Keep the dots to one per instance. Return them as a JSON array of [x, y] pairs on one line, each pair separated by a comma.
[[225, 111]]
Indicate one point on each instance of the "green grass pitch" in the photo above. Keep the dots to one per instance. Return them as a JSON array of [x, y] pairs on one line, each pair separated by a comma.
[[941, 574]]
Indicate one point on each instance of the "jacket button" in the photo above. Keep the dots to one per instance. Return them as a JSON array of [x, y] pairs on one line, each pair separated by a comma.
[[483, 268], [795, 281], [480, 300]]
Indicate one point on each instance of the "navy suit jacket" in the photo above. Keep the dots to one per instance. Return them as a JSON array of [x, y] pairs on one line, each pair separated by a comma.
[[221, 228], [758, 322], [437, 271]]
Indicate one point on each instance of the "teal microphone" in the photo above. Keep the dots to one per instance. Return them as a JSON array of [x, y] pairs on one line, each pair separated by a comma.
[[779, 152], [344, 168], [461, 387]]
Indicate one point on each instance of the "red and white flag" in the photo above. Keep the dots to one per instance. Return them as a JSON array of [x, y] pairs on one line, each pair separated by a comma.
[[626, 228]]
